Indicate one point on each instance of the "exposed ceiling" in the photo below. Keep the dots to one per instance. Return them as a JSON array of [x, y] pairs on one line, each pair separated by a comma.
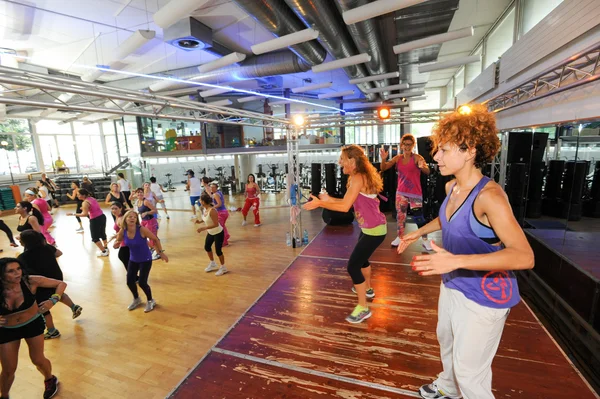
[[71, 37]]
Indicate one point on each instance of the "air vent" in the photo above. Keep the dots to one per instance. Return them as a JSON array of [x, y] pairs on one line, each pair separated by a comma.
[[189, 34]]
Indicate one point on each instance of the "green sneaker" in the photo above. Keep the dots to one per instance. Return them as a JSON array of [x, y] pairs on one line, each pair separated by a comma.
[[370, 292], [358, 315]]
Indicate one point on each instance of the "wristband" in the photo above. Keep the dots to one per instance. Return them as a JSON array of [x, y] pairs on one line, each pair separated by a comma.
[[54, 300], [161, 251]]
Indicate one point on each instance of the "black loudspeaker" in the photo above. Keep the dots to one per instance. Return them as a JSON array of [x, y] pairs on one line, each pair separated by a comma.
[[574, 181], [330, 179], [516, 190], [425, 146], [343, 184], [540, 140], [556, 170], [315, 179], [534, 190], [519, 147], [334, 218]]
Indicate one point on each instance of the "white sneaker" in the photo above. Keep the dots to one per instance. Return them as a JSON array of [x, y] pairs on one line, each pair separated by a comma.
[[136, 302], [256, 225], [211, 267], [396, 242], [427, 244], [103, 253], [150, 306], [222, 270], [244, 223], [79, 230], [193, 217], [155, 256]]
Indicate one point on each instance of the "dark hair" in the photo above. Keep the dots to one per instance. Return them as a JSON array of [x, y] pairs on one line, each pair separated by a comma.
[[408, 137], [190, 172], [153, 179], [28, 206], [32, 239], [253, 178], [373, 181], [205, 180], [118, 205], [75, 182], [3, 263], [137, 190], [121, 175], [206, 198], [85, 192]]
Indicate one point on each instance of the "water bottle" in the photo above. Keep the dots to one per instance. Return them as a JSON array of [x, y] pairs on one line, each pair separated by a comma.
[[288, 241], [298, 242], [305, 237]]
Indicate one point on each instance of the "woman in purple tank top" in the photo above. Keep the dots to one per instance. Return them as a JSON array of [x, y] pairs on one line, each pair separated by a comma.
[[364, 183], [483, 243]]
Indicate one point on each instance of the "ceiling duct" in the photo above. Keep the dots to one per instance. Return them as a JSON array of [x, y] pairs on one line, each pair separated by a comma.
[[323, 16], [367, 39], [189, 34], [276, 17]]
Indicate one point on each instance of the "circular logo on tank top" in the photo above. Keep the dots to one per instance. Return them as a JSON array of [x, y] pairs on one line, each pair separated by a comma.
[[497, 286]]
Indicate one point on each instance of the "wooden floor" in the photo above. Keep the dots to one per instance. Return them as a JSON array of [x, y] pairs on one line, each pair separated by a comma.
[[294, 342], [110, 352]]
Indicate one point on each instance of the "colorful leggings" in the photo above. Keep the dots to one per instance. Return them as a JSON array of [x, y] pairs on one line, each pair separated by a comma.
[[223, 216], [402, 204]]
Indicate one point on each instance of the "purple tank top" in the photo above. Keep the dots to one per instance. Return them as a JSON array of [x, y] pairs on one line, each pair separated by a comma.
[[94, 210], [494, 289], [222, 207], [138, 247], [367, 213], [409, 178]]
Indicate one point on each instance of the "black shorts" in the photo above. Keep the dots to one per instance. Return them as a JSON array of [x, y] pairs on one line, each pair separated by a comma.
[[29, 330], [98, 228]]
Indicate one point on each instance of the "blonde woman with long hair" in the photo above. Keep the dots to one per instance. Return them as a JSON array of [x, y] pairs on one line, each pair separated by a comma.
[[364, 185]]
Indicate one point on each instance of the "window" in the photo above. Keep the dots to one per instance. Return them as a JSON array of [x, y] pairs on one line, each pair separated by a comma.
[[81, 128], [533, 11], [66, 150], [459, 81], [473, 70], [450, 93], [50, 152], [19, 154], [47, 126], [500, 40]]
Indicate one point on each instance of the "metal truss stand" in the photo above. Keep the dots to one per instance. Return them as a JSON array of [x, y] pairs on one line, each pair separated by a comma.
[[499, 162], [294, 188]]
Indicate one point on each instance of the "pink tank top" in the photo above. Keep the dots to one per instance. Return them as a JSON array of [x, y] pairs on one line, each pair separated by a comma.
[[251, 192], [42, 205], [367, 213], [409, 178], [117, 229], [94, 210]]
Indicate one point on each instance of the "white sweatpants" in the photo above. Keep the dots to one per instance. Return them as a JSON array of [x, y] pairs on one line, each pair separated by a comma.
[[469, 335]]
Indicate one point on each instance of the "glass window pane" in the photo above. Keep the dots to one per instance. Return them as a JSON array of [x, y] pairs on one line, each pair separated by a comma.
[[500, 39], [81, 128], [534, 11], [47, 126], [473, 70], [111, 150], [50, 153], [67, 151]]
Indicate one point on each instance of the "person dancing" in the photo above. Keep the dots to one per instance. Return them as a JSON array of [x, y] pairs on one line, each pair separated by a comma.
[[75, 196], [118, 211], [364, 184], [147, 211], [219, 202], [29, 218], [483, 243], [409, 192], [215, 234], [39, 258], [31, 195], [252, 199], [125, 188], [115, 195], [52, 188], [158, 191], [136, 237], [194, 187], [91, 209], [21, 318]]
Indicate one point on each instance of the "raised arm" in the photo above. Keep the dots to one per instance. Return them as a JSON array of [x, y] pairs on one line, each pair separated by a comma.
[[343, 205]]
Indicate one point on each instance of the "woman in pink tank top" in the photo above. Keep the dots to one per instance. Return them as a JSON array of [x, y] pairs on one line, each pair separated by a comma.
[[91, 209], [409, 166], [32, 196]]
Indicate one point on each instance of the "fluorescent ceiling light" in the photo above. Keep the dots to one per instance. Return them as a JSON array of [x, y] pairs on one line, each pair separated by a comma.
[[407, 94], [304, 89], [376, 9], [227, 60], [341, 63], [133, 42], [336, 94], [175, 10], [215, 92], [220, 103], [249, 98], [435, 39], [390, 75], [436, 66], [285, 41], [401, 86]]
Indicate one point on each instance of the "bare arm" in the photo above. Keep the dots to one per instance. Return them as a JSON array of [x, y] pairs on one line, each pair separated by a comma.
[[45, 282], [107, 200], [152, 210], [74, 195], [385, 165], [217, 199], [146, 233], [214, 221], [85, 210], [342, 205], [33, 222], [422, 165]]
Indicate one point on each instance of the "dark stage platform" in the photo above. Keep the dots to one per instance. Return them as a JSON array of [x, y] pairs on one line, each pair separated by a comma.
[[294, 342]]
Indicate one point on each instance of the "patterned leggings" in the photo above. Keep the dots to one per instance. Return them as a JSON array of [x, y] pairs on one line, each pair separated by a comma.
[[402, 203]]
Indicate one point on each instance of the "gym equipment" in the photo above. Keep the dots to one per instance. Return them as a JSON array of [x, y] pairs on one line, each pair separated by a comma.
[[169, 185]]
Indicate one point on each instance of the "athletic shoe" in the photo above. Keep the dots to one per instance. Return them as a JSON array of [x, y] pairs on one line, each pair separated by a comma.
[[358, 317], [427, 245], [150, 306], [244, 223], [211, 267], [103, 253], [136, 302], [50, 387], [222, 270], [396, 242], [193, 217], [55, 334], [168, 217], [155, 256], [79, 230], [77, 311], [256, 225], [432, 391], [370, 292]]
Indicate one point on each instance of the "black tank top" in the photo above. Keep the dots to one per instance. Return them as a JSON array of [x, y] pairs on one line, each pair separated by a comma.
[[28, 300], [24, 226]]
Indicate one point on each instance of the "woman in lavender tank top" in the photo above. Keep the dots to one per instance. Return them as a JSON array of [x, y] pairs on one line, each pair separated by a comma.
[[364, 183], [483, 244]]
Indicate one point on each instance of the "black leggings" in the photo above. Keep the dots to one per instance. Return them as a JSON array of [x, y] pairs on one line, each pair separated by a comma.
[[124, 256], [7, 230], [127, 194], [217, 239], [132, 272], [359, 258], [78, 210]]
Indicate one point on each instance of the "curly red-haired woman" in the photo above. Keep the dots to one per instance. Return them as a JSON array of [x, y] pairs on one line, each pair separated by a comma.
[[483, 243]]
